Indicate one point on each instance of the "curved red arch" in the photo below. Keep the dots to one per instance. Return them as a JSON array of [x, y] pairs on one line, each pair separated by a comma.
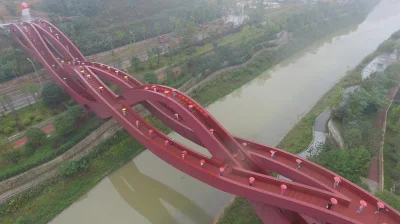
[[307, 197]]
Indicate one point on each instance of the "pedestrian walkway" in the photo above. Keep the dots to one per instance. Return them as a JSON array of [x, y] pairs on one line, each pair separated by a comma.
[[48, 128]]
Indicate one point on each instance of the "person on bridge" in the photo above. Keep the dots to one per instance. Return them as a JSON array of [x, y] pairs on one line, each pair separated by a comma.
[[298, 161], [221, 171], [332, 202], [272, 154], [251, 181], [362, 205], [337, 181], [202, 163], [183, 154], [283, 189], [379, 207], [174, 94]]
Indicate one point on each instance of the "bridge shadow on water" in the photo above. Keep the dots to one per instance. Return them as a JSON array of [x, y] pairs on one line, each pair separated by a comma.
[[150, 198]]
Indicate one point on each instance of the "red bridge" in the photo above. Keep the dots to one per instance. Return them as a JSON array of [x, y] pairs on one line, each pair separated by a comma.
[[238, 166]]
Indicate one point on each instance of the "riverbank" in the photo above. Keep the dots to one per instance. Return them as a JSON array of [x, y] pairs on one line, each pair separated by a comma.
[[75, 195], [301, 135]]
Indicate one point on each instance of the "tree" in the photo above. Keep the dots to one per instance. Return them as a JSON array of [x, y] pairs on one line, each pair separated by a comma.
[[75, 112], [143, 30], [135, 62], [150, 78], [11, 156], [64, 124], [52, 94], [179, 29], [191, 30], [350, 164], [157, 28], [35, 137]]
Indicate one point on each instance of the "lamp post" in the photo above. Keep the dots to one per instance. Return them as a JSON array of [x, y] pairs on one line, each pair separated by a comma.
[[37, 74]]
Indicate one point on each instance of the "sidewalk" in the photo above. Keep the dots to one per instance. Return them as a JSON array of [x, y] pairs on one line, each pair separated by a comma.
[[48, 128], [373, 171]]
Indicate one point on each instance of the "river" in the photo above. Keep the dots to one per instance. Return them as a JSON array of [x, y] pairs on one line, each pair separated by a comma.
[[147, 190]]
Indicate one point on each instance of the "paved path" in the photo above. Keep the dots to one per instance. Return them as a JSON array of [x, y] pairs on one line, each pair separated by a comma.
[[48, 128], [320, 133]]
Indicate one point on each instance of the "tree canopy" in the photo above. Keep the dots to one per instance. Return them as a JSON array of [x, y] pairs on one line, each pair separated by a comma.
[[52, 94], [35, 137], [64, 124]]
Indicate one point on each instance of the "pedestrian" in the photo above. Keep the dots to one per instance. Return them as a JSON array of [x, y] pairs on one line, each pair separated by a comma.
[[272, 154], [332, 202], [88, 77], [177, 116], [251, 181], [298, 161], [202, 163], [137, 123], [183, 154], [283, 189], [101, 89], [244, 145], [336, 182], [174, 94], [379, 207], [190, 107], [362, 205], [221, 171], [124, 111], [166, 143], [212, 131], [360, 209]]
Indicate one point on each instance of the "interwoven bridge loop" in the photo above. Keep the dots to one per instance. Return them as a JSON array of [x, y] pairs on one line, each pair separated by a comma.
[[238, 166]]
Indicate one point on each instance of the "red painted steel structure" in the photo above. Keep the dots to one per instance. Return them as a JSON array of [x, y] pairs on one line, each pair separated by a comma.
[[306, 197]]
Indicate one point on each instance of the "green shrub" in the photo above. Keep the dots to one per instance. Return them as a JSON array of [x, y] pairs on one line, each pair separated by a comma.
[[67, 168], [7, 130], [29, 150], [38, 118], [26, 122], [12, 124], [12, 156], [71, 102], [64, 124], [31, 117], [35, 137]]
